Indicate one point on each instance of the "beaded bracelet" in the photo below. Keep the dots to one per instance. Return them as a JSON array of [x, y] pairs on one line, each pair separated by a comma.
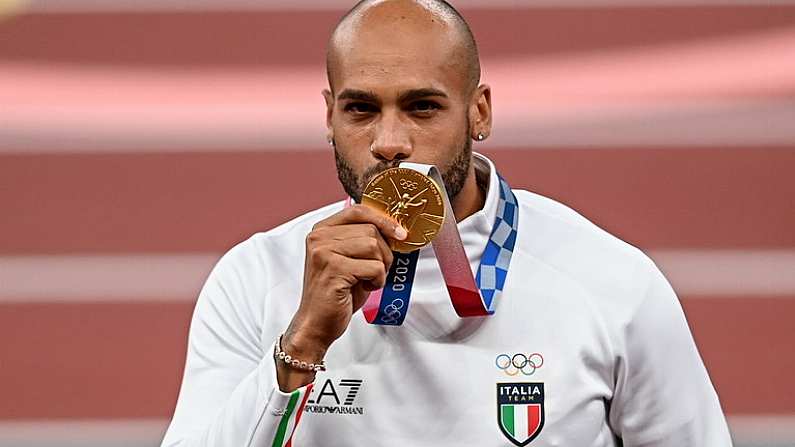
[[279, 354]]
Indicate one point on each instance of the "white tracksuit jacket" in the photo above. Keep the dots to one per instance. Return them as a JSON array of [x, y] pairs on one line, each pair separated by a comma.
[[607, 356]]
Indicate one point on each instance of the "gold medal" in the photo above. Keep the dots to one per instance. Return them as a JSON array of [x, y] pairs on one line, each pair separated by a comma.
[[412, 199]]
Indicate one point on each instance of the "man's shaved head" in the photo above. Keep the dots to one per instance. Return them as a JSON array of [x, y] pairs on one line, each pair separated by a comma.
[[404, 85], [390, 18]]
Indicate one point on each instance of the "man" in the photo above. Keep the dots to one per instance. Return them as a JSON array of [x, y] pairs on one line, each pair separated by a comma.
[[586, 346]]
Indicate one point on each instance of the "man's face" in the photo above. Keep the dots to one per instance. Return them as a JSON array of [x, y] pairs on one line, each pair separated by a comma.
[[396, 98]]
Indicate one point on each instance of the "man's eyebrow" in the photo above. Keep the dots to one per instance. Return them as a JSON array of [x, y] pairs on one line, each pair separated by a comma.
[[411, 95], [357, 95]]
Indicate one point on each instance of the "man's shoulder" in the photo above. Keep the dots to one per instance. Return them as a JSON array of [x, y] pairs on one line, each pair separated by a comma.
[[567, 242], [301, 225], [278, 248], [289, 236], [554, 216]]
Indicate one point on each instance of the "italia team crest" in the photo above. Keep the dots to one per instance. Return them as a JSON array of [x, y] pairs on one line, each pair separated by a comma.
[[520, 411]]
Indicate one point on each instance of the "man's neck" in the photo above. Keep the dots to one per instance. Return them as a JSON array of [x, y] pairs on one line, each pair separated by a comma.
[[470, 199]]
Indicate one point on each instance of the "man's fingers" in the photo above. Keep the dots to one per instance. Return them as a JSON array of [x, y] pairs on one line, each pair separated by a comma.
[[364, 247], [363, 270], [346, 231], [362, 214], [343, 235]]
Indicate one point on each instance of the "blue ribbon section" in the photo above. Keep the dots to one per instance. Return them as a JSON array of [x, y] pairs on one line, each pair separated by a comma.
[[395, 296]]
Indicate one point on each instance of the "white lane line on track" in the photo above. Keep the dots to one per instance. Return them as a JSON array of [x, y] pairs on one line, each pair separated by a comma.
[[76, 6], [764, 429], [157, 277], [716, 273], [83, 433], [720, 92], [76, 278], [776, 429]]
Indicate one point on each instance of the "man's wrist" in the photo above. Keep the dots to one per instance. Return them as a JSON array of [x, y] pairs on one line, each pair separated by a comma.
[[294, 361], [303, 347], [303, 343]]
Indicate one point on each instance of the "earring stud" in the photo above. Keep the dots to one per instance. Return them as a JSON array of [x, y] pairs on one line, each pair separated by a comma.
[[481, 137]]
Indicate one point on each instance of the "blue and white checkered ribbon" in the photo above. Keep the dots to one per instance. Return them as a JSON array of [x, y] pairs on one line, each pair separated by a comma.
[[499, 249]]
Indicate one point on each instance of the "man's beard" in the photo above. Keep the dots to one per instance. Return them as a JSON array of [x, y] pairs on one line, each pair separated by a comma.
[[454, 175]]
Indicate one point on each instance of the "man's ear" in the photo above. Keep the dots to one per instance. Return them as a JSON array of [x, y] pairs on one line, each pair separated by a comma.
[[329, 97], [480, 112]]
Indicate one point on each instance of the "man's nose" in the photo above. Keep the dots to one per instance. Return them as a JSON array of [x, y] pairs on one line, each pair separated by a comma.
[[391, 140]]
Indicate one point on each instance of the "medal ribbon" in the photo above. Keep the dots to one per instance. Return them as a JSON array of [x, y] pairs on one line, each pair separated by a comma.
[[470, 296]]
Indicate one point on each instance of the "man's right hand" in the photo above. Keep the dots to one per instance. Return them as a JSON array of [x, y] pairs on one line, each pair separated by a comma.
[[347, 257]]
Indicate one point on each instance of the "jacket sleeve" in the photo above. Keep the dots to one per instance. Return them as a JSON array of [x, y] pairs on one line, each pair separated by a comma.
[[663, 395], [229, 394]]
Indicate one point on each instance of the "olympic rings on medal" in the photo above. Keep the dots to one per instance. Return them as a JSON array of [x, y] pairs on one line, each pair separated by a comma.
[[408, 184], [513, 364]]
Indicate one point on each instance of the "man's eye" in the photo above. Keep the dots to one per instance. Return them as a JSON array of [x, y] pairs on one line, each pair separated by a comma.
[[359, 108], [424, 106]]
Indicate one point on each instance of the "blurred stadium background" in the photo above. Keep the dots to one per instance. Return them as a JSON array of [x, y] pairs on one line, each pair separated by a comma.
[[140, 139]]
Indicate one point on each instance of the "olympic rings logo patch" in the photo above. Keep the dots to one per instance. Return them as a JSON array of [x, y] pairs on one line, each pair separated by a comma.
[[392, 311], [514, 364]]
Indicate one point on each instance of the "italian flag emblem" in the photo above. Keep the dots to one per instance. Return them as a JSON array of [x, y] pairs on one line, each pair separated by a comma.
[[520, 411]]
